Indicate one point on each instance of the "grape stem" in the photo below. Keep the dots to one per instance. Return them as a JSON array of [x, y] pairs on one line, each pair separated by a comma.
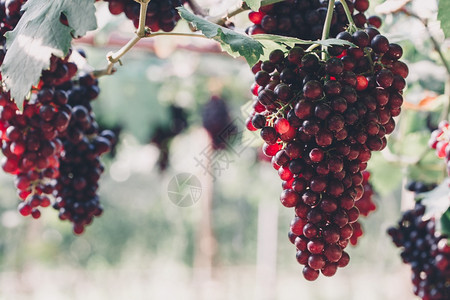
[[242, 8], [327, 25], [435, 43], [312, 47], [131, 44], [444, 61], [352, 26], [222, 20], [140, 33], [143, 32]]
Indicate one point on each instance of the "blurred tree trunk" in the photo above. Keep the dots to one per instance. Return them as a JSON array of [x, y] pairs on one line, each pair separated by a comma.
[[206, 243], [266, 256]]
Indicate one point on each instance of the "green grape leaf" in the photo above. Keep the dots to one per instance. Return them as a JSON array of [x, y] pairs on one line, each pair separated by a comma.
[[437, 203], [234, 43], [445, 222], [429, 170], [38, 35], [385, 177], [444, 16], [412, 144], [272, 42]]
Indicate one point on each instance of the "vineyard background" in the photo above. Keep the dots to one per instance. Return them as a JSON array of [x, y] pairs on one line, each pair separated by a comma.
[[145, 247]]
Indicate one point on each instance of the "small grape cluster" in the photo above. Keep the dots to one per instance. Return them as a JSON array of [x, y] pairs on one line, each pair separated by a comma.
[[161, 14], [217, 121], [427, 251], [320, 120], [80, 166], [164, 134], [304, 19], [439, 141], [365, 206]]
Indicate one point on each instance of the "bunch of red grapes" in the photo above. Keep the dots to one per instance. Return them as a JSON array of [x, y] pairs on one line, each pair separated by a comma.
[[426, 250], [304, 19], [320, 119], [53, 146], [161, 14], [439, 141]]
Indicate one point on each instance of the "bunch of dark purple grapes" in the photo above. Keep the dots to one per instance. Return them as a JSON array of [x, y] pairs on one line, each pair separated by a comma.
[[164, 134], [427, 251], [161, 14], [304, 19], [80, 166], [320, 120], [217, 121]]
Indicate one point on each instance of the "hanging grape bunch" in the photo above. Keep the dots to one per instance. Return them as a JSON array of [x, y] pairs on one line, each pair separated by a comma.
[[31, 140], [426, 250], [320, 119], [55, 128], [161, 14], [304, 19]]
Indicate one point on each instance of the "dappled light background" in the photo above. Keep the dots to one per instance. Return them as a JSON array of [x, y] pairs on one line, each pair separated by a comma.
[[232, 243]]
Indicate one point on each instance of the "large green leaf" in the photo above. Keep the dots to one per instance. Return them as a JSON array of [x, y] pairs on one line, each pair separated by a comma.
[[38, 35], [385, 176], [234, 43], [251, 48], [437, 203], [444, 16]]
